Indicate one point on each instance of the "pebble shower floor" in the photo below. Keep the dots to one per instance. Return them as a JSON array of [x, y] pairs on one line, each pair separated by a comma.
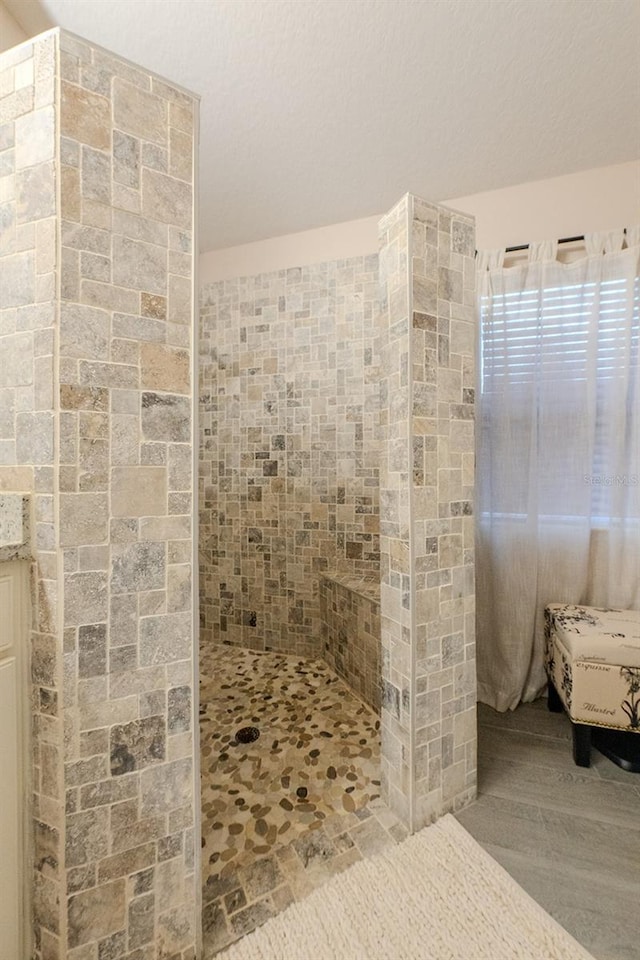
[[283, 813]]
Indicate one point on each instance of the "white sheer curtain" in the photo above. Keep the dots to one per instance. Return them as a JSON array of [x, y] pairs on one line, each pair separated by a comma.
[[558, 459]]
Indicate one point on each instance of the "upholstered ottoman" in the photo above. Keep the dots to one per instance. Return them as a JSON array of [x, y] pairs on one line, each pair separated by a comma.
[[592, 659]]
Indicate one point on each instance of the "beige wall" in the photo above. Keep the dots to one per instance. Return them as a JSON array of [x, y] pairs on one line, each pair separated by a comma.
[[11, 33], [559, 207], [339, 241], [578, 203]]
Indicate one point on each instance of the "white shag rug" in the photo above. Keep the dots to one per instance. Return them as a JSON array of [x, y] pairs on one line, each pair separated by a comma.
[[436, 896]]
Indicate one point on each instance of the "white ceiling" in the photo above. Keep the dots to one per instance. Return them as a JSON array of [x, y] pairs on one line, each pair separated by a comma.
[[319, 111]]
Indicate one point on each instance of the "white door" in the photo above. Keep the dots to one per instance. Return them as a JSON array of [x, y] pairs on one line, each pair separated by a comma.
[[13, 591]]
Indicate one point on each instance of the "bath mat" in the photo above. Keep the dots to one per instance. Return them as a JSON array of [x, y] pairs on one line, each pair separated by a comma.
[[436, 896]]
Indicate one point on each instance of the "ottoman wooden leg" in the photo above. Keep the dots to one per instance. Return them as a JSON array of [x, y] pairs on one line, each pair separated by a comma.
[[582, 744], [554, 703]]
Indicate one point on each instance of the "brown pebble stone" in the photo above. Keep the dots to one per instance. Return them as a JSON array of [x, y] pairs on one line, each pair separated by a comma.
[[317, 729]]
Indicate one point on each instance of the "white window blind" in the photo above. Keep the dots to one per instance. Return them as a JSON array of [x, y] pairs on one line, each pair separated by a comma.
[[549, 334], [547, 345]]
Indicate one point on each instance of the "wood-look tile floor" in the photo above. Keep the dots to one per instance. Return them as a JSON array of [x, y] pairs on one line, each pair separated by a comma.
[[570, 836]]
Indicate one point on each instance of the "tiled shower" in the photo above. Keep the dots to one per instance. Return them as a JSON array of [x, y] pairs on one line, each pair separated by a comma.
[[289, 524], [336, 485], [336, 561], [336, 531]]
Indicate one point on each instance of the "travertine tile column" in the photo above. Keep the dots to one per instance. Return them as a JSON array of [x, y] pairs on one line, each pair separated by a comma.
[[28, 322], [96, 413], [427, 281]]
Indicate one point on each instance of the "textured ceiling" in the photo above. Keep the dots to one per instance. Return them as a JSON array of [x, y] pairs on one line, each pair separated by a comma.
[[319, 111]]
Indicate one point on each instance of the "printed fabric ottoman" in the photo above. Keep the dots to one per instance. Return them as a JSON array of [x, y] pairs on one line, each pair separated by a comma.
[[592, 659]]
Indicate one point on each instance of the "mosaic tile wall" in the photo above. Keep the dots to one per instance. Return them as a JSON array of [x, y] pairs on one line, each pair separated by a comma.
[[102, 433], [350, 613], [427, 278], [289, 404]]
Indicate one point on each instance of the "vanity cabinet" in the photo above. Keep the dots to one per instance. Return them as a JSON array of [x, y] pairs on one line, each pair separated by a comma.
[[13, 785]]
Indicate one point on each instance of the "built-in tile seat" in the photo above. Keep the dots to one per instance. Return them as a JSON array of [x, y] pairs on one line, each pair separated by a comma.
[[350, 631], [592, 659]]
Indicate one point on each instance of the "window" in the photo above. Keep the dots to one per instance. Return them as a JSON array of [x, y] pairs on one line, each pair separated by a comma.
[[557, 382]]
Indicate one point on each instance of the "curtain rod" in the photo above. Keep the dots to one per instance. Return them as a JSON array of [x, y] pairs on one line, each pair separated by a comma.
[[525, 246]]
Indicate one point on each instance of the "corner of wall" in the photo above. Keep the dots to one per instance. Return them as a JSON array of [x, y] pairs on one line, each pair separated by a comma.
[[97, 340], [427, 534]]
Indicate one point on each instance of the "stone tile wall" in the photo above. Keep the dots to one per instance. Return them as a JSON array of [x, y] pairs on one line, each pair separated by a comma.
[[289, 401], [97, 421], [350, 612], [427, 276], [28, 321], [289, 488]]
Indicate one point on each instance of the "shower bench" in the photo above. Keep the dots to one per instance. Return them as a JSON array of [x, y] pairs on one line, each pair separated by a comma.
[[592, 658], [350, 615]]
